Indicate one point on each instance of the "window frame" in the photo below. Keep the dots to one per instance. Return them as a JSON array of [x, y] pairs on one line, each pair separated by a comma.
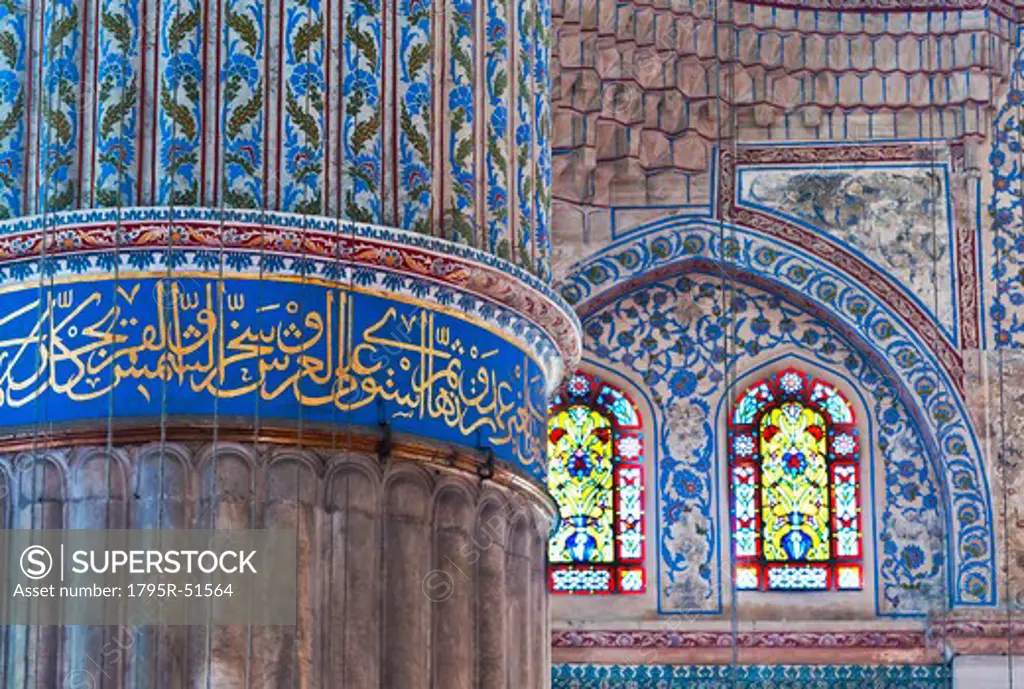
[[844, 569], [617, 576]]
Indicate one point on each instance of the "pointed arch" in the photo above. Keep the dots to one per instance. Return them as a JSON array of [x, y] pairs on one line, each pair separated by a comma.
[[928, 382]]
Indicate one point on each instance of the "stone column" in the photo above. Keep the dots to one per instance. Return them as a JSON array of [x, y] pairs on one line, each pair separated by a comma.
[[160, 499], [394, 417], [40, 486], [410, 574], [451, 589], [96, 495]]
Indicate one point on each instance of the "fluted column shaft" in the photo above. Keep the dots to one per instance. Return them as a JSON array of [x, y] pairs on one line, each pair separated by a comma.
[[405, 577]]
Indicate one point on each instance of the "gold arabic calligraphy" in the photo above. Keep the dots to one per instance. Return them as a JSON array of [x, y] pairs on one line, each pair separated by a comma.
[[204, 340]]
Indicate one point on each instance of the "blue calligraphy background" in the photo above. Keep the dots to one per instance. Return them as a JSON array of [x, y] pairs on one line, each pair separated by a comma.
[[273, 350]]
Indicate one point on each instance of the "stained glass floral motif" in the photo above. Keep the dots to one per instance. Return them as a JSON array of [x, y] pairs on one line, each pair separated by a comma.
[[580, 452], [595, 474], [795, 486]]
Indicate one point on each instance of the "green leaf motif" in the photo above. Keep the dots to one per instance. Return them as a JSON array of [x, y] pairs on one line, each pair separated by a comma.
[[418, 57], [303, 120], [461, 21], [370, 6], [461, 228], [54, 162], [500, 83], [458, 119], [8, 124], [362, 40], [117, 24], [9, 48], [108, 198], [245, 114], [359, 173], [178, 113], [243, 25], [462, 191], [355, 103], [61, 29], [307, 35], [186, 197], [365, 131], [113, 160], [191, 87], [418, 140], [497, 153], [465, 147], [181, 27], [241, 161], [62, 200], [67, 92], [523, 157], [231, 88], [462, 59], [309, 206], [180, 160], [58, 121], [239, 199], [354, 212], [116, 114]]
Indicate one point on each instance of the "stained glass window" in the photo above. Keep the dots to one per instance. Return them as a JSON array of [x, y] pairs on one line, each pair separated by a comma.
[[793, 461], [596, 476]]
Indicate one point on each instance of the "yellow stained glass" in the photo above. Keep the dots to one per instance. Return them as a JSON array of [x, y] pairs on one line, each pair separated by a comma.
[[580, 478], [794, 484]]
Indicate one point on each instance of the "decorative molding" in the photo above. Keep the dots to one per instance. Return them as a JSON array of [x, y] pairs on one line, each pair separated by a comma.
[[476, 343], [78, 237], [905, 639]]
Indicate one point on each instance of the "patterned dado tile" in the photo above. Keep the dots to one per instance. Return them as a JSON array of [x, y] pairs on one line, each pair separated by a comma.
[[749, 677]]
